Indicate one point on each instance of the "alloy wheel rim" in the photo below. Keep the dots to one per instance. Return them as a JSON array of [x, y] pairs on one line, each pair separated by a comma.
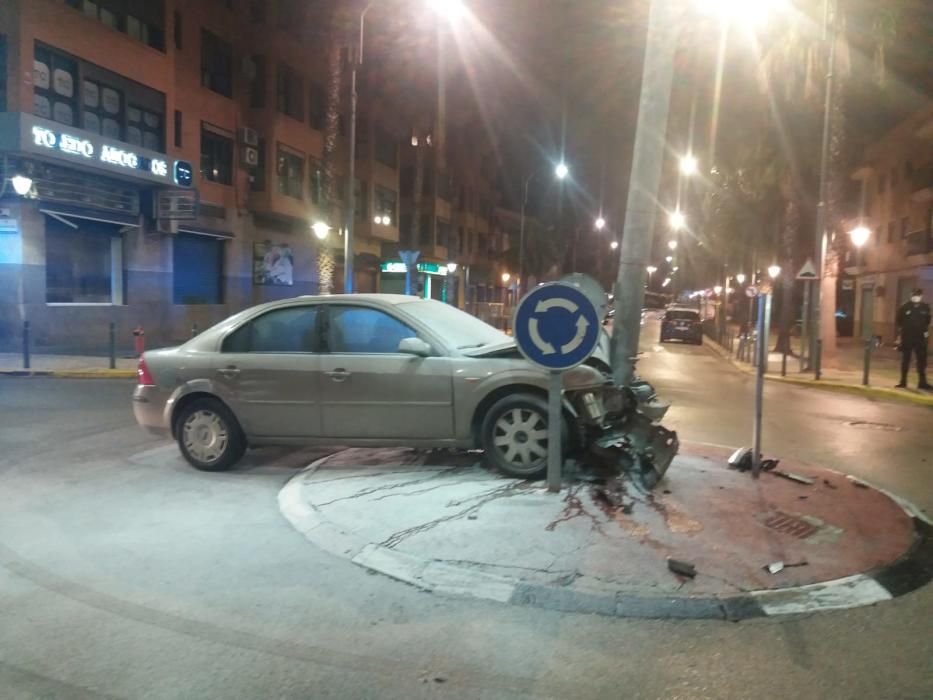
[[205, 436], [520, 436]]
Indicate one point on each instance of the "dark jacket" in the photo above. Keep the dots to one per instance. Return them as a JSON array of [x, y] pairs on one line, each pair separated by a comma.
[[913, 320]]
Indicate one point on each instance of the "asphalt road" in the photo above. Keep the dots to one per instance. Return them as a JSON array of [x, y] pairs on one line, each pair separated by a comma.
[[125, 574]]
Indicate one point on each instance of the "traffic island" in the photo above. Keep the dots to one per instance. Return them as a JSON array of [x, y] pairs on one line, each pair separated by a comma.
[[707, 542]]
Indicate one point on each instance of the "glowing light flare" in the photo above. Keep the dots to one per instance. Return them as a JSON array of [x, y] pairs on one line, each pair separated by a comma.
[[860, 235], [320, 229]]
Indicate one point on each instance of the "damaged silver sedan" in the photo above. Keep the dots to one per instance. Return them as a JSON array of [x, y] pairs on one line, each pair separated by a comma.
[[387, 370]]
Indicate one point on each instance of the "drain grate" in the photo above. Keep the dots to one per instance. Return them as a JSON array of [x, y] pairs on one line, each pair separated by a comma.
[[870, 425], [792, 525]]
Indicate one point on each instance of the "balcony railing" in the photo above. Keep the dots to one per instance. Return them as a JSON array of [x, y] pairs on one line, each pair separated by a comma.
[[919, 243]]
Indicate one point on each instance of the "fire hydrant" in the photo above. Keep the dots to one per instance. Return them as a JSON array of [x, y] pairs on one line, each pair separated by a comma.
[[139, 340]]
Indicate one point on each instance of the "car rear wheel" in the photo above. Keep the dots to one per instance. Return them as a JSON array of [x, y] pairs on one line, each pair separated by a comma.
[[208, 435], [514, 436]]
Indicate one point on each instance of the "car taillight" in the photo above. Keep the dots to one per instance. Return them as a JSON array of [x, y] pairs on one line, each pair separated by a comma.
[[142, 371]]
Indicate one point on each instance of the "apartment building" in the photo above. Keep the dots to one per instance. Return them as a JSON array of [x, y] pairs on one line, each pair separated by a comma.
[[175, 150], [897, 206]]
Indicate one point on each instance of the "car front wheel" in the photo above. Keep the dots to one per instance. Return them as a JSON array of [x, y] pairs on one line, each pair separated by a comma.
[[514, 436], [209, 436]]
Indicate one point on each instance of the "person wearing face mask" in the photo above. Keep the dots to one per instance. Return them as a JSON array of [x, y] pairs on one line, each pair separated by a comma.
[[913, 327]]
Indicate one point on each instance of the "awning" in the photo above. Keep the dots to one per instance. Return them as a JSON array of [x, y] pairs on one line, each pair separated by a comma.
[[66, 212], [184, 227]]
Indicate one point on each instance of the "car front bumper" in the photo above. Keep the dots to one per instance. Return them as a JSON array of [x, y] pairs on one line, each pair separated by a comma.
[[149, 407]]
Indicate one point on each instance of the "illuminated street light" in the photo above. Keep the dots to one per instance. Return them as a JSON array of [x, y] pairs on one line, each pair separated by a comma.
[[674, 269], [742, 12], [774, 271], [448, 9], [614, 245], [667, 281], [320, 229], [651, 269], [669, 258], [600, 223], [740, 278], [677, 220], [672, 245], [689, 165], [718, 289], [451, 267], [860, 235], [21, 184], [561, 170], [506, 277]]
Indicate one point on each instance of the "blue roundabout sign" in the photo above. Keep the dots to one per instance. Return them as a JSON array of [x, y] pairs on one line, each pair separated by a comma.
[[556, 326]]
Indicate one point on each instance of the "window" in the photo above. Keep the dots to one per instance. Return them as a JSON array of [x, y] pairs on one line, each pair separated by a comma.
[[385, 149], [360, 199], [892, 227], [289, 170], [317, 106], [289, 92], [257, 83], [288, 330], [316, 179], [258, 183], [2, 73], [83, 265], [443, 232], [55, 87], [216, 64], [143, 21], [197, 272], [257, 11], [143, 128], [385, 203], [406, 181], [426, 235], [905, 226], [361, 330], [216, 155], [177, 29]]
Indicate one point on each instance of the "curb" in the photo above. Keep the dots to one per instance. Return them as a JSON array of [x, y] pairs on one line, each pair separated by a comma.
[[867, 392], [71, 373], [911, 571]]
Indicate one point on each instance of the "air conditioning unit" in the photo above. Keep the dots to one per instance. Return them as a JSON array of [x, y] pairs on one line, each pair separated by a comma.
[[175, 204], [249, 137], [249, 157], [167, 226]]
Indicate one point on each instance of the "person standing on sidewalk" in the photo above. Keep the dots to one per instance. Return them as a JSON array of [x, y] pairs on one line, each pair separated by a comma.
[[913, 328]]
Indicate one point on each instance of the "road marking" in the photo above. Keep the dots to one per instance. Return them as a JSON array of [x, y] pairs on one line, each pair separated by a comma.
[[850, 592]]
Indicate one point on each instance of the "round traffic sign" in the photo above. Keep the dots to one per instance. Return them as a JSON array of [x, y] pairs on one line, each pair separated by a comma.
[[556, 326]]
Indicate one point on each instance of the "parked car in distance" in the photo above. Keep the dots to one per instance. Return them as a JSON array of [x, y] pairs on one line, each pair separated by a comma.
[[682, 323], [378, 369]]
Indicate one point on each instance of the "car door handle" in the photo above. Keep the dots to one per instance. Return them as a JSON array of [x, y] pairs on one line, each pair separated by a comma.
[[339, 375], [229, 372]]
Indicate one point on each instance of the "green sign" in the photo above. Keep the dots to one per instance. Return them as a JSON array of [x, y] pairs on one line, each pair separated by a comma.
[[429, 268]]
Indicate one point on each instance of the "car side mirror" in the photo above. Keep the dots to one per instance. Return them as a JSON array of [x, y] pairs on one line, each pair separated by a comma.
[[414, 346]]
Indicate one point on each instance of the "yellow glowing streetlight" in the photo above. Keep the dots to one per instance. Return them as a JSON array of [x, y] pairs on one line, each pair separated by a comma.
[[860, 235], [614, 245], [562, 171], [672, 245], [774, 271], [740, 278], [506, 277], [689, 165], [677, 220], [320, 229], [448, 9]]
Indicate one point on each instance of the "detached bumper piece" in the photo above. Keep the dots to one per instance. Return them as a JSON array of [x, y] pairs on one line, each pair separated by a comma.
[[639, 447]]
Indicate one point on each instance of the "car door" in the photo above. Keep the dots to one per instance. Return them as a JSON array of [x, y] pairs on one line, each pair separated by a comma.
[[369, 390], [269, 370]]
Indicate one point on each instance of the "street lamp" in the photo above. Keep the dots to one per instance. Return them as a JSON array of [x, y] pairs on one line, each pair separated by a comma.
[[672, 245], [859, 236], [506, 277], [451, 267], [614, 245], [689, 165], [740, 278], [774, 271], [448, 9], [21, 184], [749, 14], [600, 223], [677, 220], [320, 229], [669, 258], [718, 289], [561, 170]]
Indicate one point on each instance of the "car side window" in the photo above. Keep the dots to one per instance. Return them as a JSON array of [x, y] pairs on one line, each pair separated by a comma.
[[288, 330], [355, 329]]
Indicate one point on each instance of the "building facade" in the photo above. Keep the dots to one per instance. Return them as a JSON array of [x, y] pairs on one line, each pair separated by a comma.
[[897, 206]]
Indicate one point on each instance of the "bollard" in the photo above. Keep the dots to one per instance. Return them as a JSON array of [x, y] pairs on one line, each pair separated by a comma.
[[139, 340], [25, 344], [817, 361], [113, 345], [867, 367], [194, 330]]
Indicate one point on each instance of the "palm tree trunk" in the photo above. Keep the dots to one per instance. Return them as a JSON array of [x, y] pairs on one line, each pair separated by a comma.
[[325, 256], [788, 246], [417, 195]]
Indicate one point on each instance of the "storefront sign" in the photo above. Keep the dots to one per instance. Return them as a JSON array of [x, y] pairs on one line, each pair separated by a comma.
[[428, 268], [46, 137]]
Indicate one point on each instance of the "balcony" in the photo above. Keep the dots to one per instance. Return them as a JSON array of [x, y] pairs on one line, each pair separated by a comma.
[[919, 243], [922, 185]]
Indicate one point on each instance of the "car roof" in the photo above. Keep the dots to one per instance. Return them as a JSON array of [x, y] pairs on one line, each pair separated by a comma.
[[382, 298]]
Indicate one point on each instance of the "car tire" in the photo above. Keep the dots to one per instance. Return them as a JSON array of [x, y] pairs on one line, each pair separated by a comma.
[[209, 435], [514, 436]]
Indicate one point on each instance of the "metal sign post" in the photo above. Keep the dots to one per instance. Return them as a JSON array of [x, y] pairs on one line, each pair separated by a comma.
[[764, 324], [809, 275], [556, 327]]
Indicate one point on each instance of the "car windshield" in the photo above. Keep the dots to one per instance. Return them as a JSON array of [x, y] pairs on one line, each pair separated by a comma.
[[681, 315], [460, 329]]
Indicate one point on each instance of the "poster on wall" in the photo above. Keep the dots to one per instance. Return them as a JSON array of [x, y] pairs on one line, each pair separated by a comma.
[[273, 264]]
